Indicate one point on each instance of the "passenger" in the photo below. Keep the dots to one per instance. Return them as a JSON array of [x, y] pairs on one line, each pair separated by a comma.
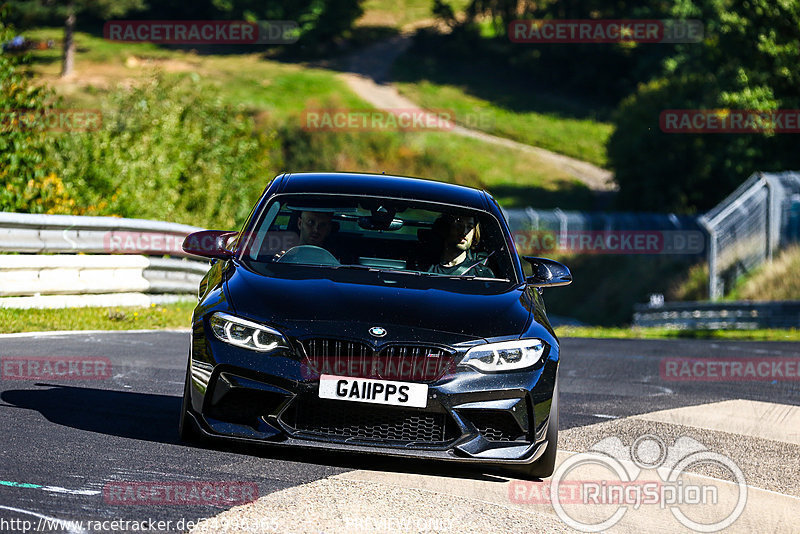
[[461, 235]]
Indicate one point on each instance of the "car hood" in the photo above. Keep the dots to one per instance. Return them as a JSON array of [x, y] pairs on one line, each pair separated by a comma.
[[323, 306]]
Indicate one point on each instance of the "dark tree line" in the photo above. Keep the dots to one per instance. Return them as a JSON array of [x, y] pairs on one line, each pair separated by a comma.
[[748, 60]]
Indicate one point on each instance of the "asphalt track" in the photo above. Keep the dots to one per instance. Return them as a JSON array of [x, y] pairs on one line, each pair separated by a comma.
[[65, 441]]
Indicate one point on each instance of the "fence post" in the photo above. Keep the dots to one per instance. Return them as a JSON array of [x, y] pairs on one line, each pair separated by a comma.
[[713, 278], [563, 223], [770, 222]]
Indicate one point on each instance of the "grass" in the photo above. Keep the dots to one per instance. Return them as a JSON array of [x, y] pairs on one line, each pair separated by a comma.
[[178, 315], [167, 316], [664, 333], [580, 138], [515, 179], [277, 93], [399, 13], [501, 101], [246, 78], [775, 280]]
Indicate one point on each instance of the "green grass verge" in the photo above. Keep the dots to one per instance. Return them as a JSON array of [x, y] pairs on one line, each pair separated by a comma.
[[664, 333], [398, 13], [580, 138], [501, 100], [175, 315], [246, 78]]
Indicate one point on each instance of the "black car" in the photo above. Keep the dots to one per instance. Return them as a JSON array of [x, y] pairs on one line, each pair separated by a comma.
[[376, 313]]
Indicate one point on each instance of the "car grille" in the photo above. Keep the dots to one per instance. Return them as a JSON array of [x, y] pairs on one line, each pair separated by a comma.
[[410, 363], [496, 425], [377, 424]]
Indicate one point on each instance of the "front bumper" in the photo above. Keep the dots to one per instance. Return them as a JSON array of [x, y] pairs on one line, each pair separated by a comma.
[[470, 416]]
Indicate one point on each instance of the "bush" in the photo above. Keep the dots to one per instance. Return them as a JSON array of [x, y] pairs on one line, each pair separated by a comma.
[[28, 186], [166, 151]]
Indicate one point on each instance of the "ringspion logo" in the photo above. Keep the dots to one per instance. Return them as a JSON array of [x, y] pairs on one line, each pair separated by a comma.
[[592, 491]]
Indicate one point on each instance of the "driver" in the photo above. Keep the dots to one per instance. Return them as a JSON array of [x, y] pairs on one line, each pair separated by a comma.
[[461, 234], [315, 227]]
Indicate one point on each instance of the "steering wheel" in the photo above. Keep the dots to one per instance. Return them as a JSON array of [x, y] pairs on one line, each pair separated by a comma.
[[308, 254]]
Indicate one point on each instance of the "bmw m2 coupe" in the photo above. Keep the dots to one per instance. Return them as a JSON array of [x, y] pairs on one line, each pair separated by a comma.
[[379, 314]]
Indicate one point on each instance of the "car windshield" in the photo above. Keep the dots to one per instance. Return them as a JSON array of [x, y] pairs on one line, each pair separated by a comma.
[[379, 234]]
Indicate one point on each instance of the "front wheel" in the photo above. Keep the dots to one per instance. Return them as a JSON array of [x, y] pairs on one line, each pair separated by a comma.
[[546, 464], [187, 427]]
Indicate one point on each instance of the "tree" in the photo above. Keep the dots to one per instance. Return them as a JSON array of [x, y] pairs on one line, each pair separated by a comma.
[[68, 11], [748, 61]]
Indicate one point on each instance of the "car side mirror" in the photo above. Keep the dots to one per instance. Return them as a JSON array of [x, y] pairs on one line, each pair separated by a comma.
[[209, 244], [547, 273]]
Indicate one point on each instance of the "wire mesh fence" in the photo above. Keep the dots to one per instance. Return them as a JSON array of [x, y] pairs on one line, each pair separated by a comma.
[[556, 231], [749, 226]]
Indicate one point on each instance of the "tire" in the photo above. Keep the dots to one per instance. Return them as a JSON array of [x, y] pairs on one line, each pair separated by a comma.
[[187, 427], [546, 464]]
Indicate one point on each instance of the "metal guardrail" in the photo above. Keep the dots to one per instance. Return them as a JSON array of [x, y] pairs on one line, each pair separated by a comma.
[[733, 315], [69, 260], [54, 234]]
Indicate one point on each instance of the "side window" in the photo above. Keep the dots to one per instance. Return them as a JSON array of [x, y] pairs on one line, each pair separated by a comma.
[[263, 229]]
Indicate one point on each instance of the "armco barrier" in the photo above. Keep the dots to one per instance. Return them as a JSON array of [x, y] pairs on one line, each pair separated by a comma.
[[70, 261], [51, 234], [733, 315]]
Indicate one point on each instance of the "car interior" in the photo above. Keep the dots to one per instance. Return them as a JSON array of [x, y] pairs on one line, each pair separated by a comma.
[[371, 234]]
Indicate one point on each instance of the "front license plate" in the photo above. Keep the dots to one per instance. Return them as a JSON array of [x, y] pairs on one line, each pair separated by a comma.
[[373, 391]]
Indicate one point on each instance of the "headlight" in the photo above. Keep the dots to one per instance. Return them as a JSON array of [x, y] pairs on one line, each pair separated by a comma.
[[505, 356], [246, 334]]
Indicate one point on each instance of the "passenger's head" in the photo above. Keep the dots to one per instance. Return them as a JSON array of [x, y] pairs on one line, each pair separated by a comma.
[[460, 231], [315, 227]]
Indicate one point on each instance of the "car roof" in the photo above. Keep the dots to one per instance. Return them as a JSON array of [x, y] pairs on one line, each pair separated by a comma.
[[347, 183]]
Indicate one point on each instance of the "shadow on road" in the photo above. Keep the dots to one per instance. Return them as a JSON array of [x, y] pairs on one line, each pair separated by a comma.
[[152, 417], [125, 414]]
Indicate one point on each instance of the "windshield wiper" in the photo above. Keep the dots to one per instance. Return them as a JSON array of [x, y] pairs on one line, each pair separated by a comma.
[[474, 277], [355, 267], [379, 270]]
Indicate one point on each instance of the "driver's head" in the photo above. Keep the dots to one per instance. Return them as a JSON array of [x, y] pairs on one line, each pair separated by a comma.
[[315, 227], [461, 231]]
